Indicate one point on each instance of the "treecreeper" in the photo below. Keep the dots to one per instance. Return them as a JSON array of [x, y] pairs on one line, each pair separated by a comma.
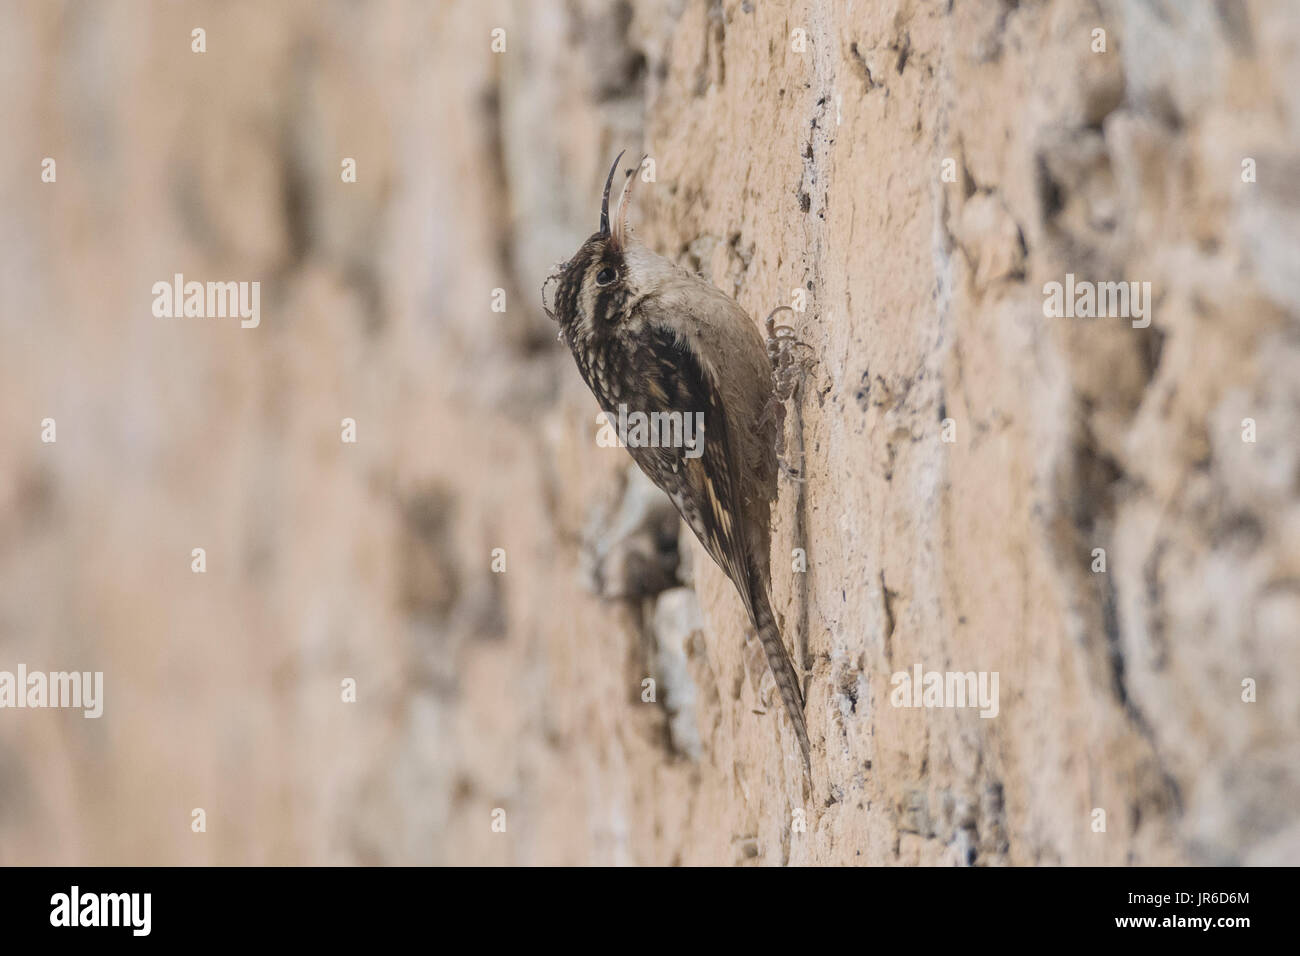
[[650, 337]]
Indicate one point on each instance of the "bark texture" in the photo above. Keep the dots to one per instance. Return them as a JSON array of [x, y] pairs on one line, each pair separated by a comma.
[[919, 171]]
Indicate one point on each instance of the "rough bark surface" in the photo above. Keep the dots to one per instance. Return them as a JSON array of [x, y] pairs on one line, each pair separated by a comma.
[[776, 168]]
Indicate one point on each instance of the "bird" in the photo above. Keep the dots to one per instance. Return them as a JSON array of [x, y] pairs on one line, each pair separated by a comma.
[[652, 337]]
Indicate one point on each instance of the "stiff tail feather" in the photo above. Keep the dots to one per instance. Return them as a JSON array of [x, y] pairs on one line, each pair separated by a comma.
[[778, 659]]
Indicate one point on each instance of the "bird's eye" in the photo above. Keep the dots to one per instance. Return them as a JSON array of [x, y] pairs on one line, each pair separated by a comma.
[[605, 276]]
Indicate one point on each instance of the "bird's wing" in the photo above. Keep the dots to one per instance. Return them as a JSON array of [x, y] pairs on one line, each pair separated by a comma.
[[702, 484]]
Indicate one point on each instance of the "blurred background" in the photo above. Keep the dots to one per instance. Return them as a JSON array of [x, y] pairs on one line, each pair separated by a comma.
[[796, 147]]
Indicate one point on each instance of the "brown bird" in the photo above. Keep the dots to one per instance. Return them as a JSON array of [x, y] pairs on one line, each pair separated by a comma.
[[654, 338]]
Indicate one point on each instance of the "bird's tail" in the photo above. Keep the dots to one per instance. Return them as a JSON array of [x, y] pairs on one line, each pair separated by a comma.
[[778, 659]]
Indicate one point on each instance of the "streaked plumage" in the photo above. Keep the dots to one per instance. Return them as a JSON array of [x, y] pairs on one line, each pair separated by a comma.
[[652, 336]]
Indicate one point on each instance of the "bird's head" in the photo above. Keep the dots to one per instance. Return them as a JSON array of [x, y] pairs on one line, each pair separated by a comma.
[[597, 282]]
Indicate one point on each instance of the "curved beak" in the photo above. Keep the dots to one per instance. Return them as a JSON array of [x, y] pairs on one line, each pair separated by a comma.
[[604, 201]]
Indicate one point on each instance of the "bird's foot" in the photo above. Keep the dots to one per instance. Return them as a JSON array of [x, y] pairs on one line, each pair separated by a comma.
[[791, 361]]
